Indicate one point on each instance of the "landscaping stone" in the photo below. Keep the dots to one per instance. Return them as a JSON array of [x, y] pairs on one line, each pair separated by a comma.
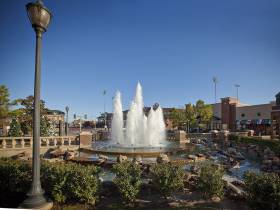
[[163, 158], [121, 158]]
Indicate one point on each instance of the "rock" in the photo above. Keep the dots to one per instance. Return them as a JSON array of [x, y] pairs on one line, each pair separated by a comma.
[[267, 151], [163, 158], [121, 158], [276, 160], [137, 159], [267, 162], [22, 156], [214, 146], [69, 155], [232, 150], [57, 153], [104, 157], [192, 157], [216, 199]]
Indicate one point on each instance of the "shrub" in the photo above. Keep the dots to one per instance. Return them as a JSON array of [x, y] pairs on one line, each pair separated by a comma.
[[210, 181], [274, 145], [128, 180], [70, 181], [233, 137], [263, 190], [61, 181], [15, 180], [167, 178]]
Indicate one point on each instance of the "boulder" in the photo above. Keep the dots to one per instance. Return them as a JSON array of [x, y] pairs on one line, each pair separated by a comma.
[[163, 158], [267, 162], [22, 156], [276, 160], [192, 157], [69, 155], [231, 150], [137, 159], [121, 158], [58, 152], [216, 199]]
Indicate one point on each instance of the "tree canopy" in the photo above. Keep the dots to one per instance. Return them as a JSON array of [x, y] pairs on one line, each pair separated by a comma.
[[193, 115], [4, 101]]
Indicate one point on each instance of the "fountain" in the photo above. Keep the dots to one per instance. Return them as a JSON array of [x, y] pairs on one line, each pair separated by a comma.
[[140, 131], [140, 134]]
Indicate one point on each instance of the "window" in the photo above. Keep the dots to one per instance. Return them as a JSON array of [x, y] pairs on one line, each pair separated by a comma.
[[258, 114], [242, 115]]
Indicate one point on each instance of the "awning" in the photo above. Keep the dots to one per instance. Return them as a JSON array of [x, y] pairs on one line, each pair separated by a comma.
[[256, 121], [266, 122], [243, 122]]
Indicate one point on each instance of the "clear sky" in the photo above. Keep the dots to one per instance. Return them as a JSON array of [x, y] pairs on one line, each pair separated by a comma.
[[173, 47]]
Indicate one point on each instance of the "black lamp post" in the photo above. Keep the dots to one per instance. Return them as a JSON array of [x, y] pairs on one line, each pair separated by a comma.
[[66, 124], [40, 18]]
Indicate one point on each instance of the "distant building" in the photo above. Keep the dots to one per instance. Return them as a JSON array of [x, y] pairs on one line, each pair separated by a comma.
[[232, 115]]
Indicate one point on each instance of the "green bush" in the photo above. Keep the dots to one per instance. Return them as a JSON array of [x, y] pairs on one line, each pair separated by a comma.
[[210, 181], [274, 145], [15, 180], [167, 178], [62, 182], [263, 190], [70, 182], [128, 180], [233, 137], [15, 175]]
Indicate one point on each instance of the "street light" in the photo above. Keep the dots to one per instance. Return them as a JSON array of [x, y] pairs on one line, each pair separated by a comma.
[[66, 124], [40, 18], [237, 86]]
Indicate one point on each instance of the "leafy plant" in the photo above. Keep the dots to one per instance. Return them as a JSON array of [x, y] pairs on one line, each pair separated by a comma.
[[70, 181], [128, 180], [15, 180], [62, 182], [167, 178], [210, 181], [263, 190]]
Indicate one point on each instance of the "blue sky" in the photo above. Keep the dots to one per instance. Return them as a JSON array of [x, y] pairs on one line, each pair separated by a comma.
[[173, 47]]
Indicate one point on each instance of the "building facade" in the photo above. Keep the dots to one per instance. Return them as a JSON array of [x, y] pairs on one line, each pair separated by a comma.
[[232, 115]]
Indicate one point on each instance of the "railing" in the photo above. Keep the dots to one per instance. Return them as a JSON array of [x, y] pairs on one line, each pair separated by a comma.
[[46, 142]]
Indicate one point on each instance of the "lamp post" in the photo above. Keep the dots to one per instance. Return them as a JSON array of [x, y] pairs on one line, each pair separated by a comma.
[[66, 124], [40, 18]]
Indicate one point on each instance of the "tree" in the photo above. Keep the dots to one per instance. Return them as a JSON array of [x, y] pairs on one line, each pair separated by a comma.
[[190, 115], [4, 101], [44, 126], [177, 116], [203, 111], [15, 129], [25, 114]]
